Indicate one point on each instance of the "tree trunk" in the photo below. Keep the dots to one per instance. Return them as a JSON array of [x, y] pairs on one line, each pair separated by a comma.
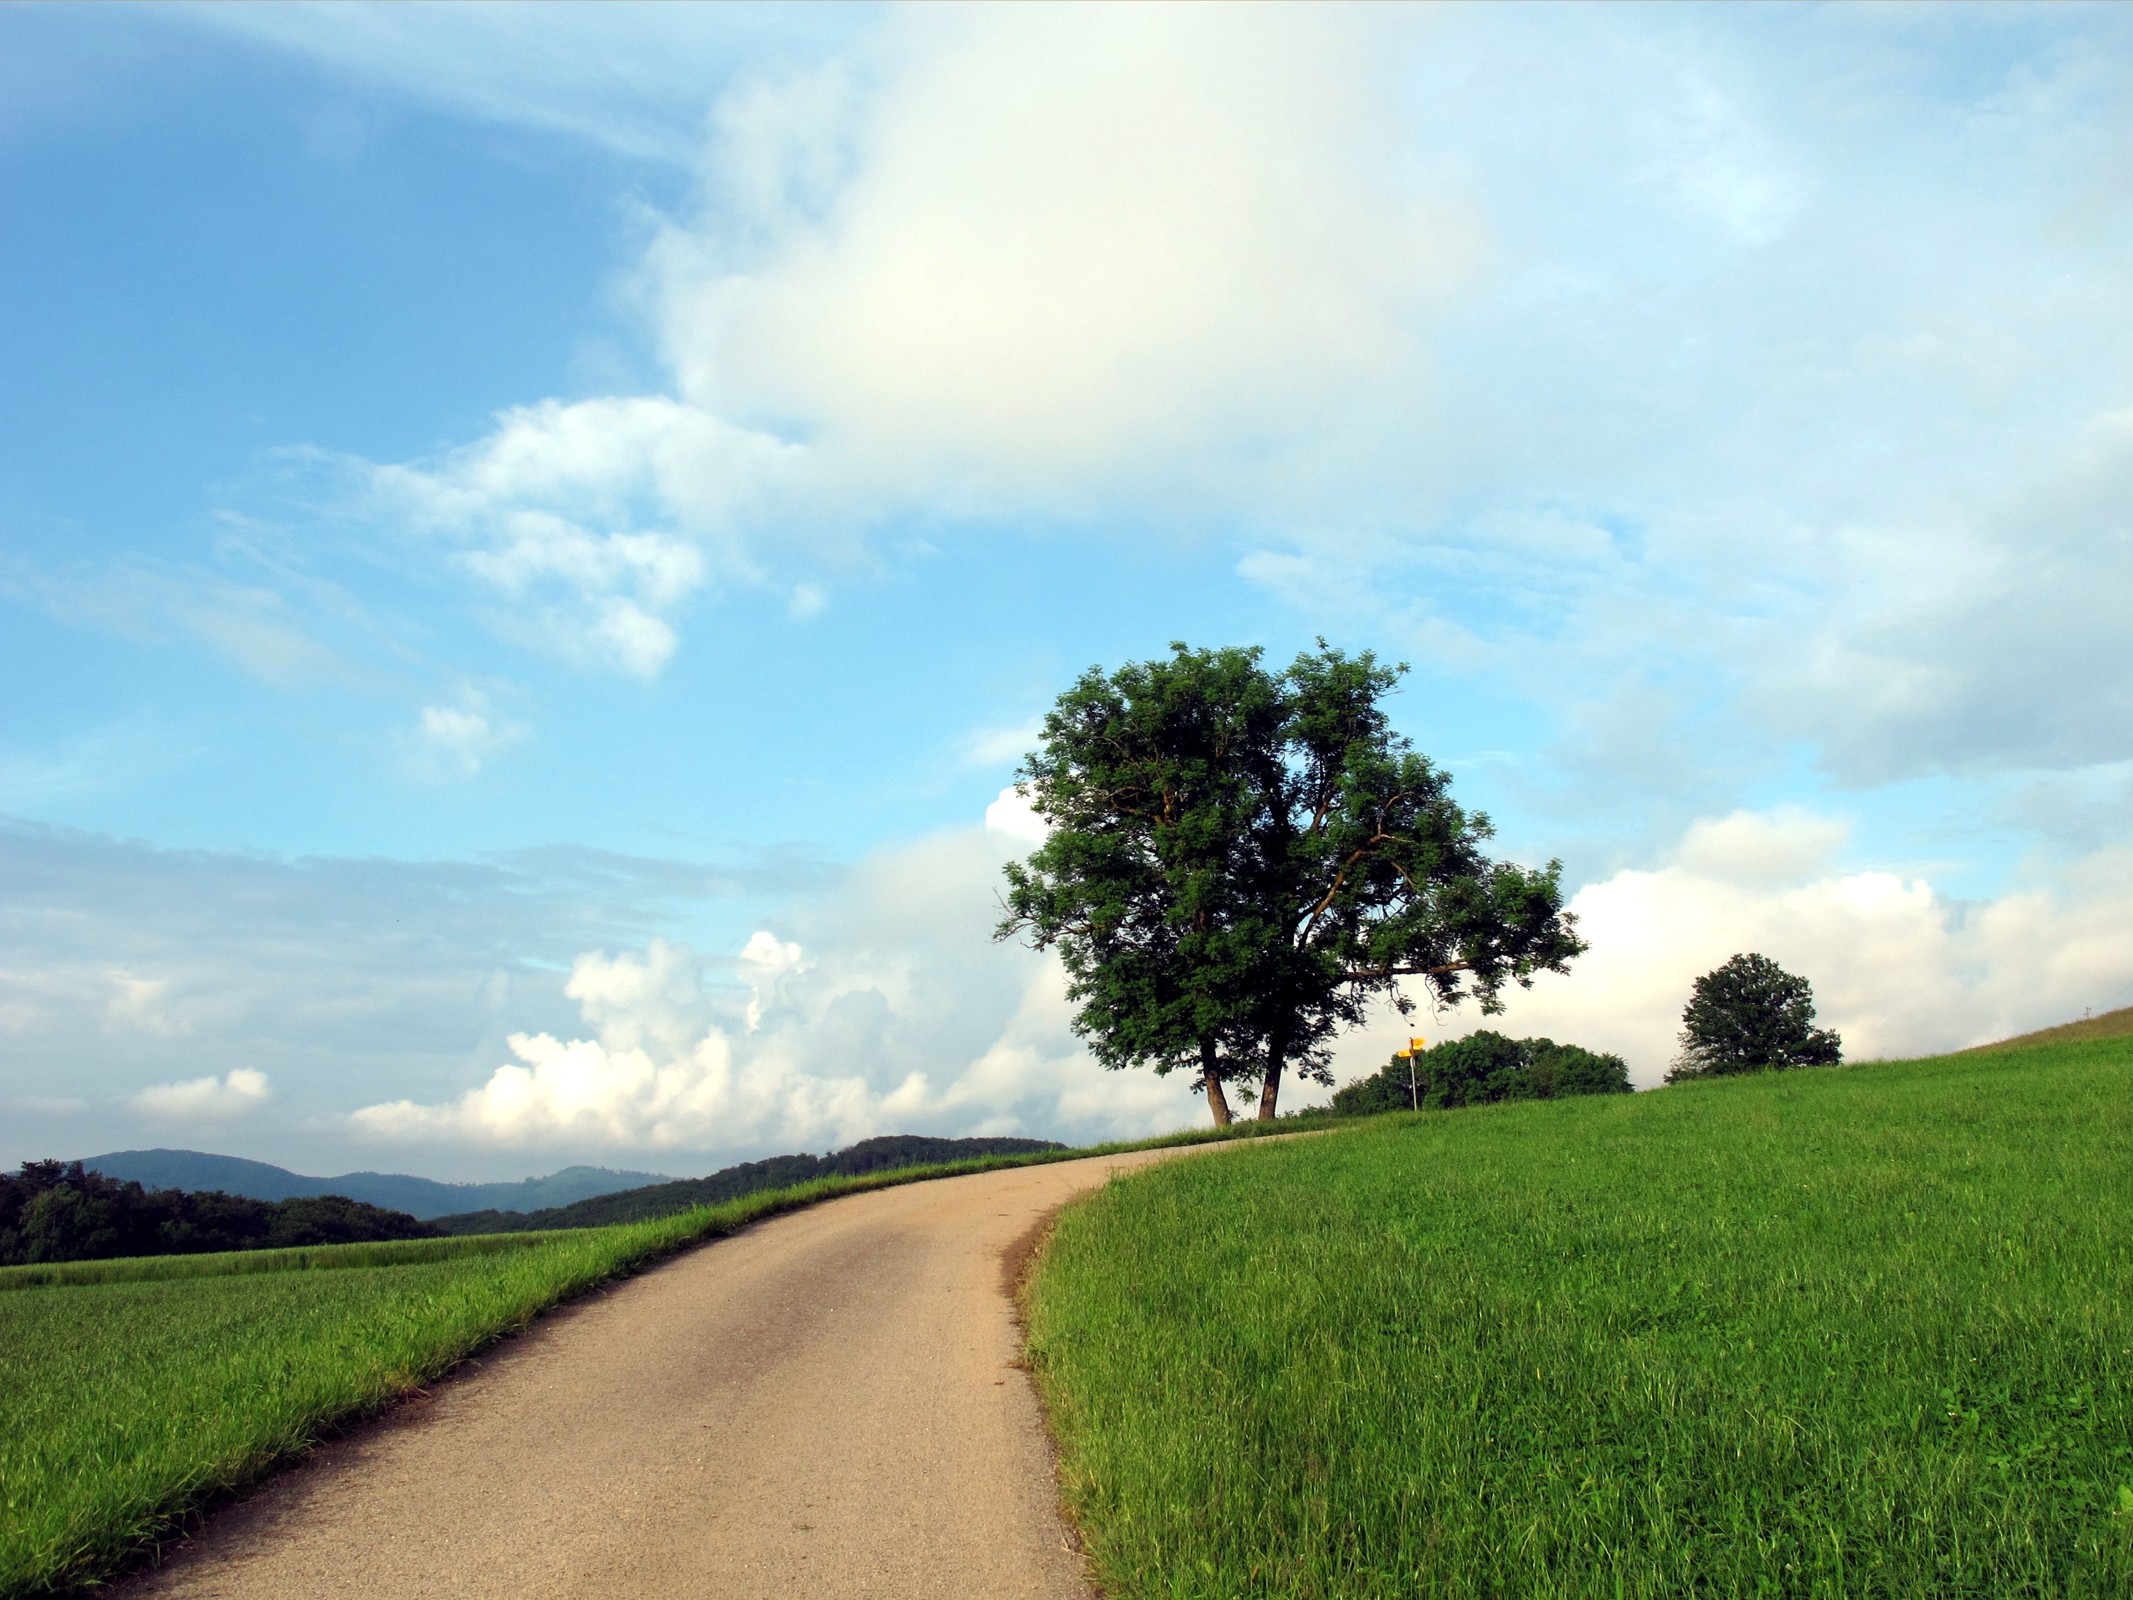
[[1270, 1091], [1211, 1080]]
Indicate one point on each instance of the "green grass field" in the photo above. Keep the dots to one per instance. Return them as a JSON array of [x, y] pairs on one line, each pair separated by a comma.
[[132, 1392], [302, 1258], [1864, 1331]]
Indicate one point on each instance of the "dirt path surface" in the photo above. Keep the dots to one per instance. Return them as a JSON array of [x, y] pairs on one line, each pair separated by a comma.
[[824, 1406]]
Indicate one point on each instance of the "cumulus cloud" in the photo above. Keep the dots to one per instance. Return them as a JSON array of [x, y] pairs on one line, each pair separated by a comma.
[[1898, 967], [1008, 259], [1011, 816], [352, 980], [206, 1099], [1069, 246], [596, 520], [1602, 354], [886, 1009]]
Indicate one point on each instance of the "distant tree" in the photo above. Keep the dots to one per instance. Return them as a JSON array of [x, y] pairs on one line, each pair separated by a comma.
[[1481, 1069], [1240, 861], [1558, 1070], [1751, 1015]]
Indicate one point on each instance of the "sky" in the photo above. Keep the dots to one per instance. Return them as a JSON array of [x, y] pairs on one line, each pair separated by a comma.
[[532, 540]]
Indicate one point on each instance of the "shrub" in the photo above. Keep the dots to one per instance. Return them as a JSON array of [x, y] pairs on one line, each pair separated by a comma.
[[1481, 1069]]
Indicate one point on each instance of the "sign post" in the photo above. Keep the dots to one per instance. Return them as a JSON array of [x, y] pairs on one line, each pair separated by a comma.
[[1414, 1092]]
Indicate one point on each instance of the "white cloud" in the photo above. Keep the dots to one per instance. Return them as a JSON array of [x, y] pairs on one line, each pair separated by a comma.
[[1898, 968], [350, 980], [1075, 247], [1613, 345], [457, 740], [1022, 257], [206, 1099], [1760, 849], [886, 1009], [597, 521], [1013, 817]]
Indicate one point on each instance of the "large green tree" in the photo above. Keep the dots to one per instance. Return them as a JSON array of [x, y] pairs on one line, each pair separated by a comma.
[[1241, 861]]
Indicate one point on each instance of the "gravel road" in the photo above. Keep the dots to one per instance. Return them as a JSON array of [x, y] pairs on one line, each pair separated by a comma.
[[826, 1405]]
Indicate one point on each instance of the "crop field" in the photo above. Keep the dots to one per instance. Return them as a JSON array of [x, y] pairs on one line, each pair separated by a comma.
[[1858, 1331]]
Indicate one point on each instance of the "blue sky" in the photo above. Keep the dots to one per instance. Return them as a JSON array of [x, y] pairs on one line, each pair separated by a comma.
[[531, 539]]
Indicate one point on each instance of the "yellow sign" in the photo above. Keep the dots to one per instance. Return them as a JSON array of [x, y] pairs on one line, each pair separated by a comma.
[[1416, 1045]]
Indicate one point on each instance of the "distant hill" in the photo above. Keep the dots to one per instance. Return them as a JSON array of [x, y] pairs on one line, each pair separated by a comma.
[[418, 1197], [662, 1199], [2111, 1025], [51, 1211]]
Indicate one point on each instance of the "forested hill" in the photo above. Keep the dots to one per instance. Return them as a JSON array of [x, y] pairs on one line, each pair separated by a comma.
[[778, 1172], [55, 1211], [396, 1191]]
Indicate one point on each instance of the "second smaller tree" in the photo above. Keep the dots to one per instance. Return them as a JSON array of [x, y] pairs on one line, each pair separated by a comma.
[[1751, 1015]]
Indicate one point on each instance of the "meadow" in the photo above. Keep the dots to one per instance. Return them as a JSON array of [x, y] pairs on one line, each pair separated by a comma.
[[134, 1392], [1864, 1331]]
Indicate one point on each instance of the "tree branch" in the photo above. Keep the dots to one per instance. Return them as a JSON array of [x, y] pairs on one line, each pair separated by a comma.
[[1449, 967]]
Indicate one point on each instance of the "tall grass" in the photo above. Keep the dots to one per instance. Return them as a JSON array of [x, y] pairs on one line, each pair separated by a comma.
[[1855, 1332]]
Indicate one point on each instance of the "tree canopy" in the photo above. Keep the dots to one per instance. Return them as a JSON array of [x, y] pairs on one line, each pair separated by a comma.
[[1241, 861], [56, 1211], [1481, 1069], [1751, 1015]]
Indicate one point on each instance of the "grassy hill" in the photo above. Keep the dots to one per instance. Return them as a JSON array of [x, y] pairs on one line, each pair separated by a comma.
[[2111, 1025], [1863, 1331]]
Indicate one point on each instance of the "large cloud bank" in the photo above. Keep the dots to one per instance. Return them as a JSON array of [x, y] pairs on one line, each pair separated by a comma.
[[999, 260], [889, 1009], [1898, 969], [1630, 358]]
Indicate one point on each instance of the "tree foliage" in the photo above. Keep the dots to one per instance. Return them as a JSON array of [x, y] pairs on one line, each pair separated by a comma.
[[1241, 861], [55, 1211], [1751, 1015], [1481, 1069]]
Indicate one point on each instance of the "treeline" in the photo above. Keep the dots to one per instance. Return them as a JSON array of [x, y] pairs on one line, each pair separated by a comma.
[[730, 1183], [1481, 1069], [54, 1211]]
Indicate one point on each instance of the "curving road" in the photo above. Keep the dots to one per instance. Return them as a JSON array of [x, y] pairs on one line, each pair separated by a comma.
[[826, 1405]]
